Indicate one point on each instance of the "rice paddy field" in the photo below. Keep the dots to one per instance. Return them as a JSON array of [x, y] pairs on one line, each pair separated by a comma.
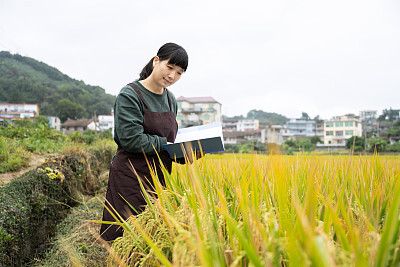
[[258, 210]]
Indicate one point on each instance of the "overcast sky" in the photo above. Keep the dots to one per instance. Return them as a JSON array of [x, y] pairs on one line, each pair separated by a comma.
[[325, 58]]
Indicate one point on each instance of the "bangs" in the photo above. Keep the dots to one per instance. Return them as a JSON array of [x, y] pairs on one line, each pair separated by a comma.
[[179, 58]]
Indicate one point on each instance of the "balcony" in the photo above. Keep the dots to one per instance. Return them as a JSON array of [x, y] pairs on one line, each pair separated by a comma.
[[197, 110]]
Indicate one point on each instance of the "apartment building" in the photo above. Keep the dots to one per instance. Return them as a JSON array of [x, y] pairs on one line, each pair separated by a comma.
[[11, 112], [194, 111], [339, 129], [240, 125], [319, 130], [248, 124], [274, 134], [299, 128], [368, 115], [370, 124]]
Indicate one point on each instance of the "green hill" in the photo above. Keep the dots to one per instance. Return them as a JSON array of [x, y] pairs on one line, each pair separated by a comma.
[[267, 117], [26, 80]]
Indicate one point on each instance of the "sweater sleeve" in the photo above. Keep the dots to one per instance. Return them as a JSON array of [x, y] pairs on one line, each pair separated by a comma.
[[129, 126]]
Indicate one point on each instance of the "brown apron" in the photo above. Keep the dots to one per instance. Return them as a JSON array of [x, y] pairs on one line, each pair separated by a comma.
[[122, 180]]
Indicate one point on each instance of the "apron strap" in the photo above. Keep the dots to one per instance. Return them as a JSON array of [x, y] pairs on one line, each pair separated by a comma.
[[169, 100], [134, 87]]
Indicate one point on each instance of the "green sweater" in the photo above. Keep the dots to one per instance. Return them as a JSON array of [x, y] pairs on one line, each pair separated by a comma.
[[128, 119]]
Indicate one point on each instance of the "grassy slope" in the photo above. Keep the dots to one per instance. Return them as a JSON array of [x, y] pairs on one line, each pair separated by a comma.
[[76, 243]]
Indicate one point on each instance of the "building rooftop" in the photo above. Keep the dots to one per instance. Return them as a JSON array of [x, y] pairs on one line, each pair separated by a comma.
[[206, 99], [76, 123], [344, 118], [236, 134]]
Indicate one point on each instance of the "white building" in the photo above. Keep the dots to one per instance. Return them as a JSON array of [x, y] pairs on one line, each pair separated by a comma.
[[11, 112], [235, 137], [299, 128], [240, 125], [71, 126], [54, 123], [339, 129], [274, 134], [368, 115], [319, 130], [105, 122], [248, 124], [198, 111]]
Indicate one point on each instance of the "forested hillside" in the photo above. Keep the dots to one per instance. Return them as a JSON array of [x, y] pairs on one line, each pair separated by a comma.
[[26, 80], [267, 117]]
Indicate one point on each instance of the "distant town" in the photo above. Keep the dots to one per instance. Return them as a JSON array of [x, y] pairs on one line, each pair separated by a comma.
[[326, 134]]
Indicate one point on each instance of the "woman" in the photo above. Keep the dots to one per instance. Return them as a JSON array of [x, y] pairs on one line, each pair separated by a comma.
[[145, 120]]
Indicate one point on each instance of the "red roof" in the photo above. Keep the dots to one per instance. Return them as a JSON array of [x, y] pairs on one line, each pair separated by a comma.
[[207, 99], [78, 123]]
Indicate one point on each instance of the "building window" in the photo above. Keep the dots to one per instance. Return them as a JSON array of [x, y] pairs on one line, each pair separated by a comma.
[[329, 124], [339, 133], [211, 106], [329, 133], [356, 124], [349, 133], [339, 124], [348, 123], [206, 117], [180, 105]]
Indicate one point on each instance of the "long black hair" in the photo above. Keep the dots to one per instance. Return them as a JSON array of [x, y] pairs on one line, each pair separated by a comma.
[[175, 54]]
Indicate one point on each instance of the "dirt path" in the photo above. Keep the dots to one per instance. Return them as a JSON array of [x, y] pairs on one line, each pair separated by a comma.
[[35, 161]]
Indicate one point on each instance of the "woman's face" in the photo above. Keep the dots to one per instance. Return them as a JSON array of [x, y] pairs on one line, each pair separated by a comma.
[[165, 74]]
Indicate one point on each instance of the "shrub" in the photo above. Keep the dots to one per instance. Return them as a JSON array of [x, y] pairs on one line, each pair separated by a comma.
[[291, 146], [394, 147], [88, 137], [356, 143], [34, 203], [106, 135], [12, 156], [377, 144]]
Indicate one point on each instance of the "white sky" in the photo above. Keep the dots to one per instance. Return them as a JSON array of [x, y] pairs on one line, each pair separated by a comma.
[[322, 57]]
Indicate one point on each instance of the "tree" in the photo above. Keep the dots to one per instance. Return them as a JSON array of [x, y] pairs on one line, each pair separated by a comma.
[[305, 116], [68, 109], [318, 119], [315, 140], [389, 115], [357, 143], [301, 145], [305, 145], [24, 123], [267, 117], [41, 122], [377, 144], [394, 148]]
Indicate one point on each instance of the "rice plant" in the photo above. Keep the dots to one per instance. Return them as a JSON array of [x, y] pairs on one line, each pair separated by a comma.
[[256, 210]]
